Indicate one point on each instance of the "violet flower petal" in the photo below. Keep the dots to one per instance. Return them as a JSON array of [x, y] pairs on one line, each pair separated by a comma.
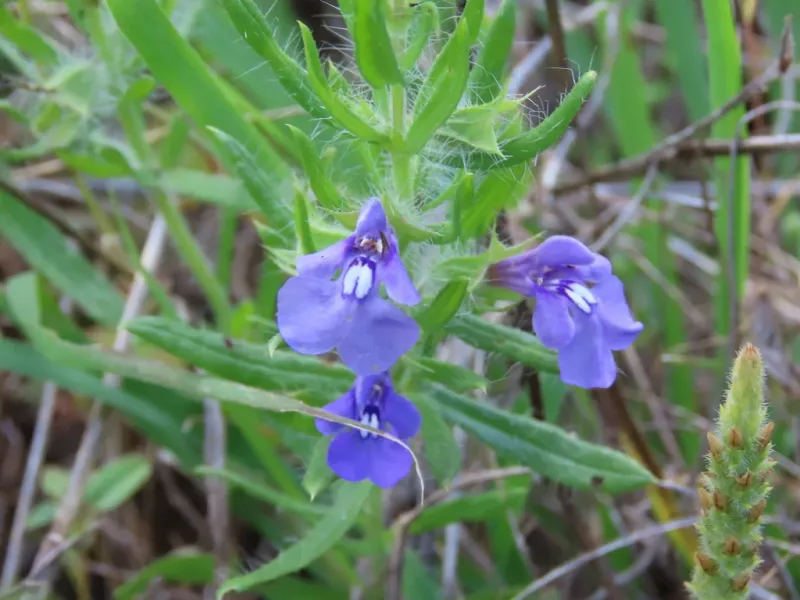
[[562, 250], [380, 334], [389, 462], [312, 315], [587, 360], [372, 218], [398, 283], [619, 328], [344, 406], [323, 264], [402, 415], [552, 321], [348, 458]]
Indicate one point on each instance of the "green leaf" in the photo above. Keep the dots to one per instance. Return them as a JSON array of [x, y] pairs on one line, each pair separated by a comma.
[[374, 53], [545, 448], [210, 187], [301, 226], [489, 72], [423, 28], [475, 125], [443, 308], [26, 38], [500, 188], [262, 492], [454, 377], [338, 109], [473, 15], [182, 567], [248, 20], [46, 250], [190, 82], [115, 482], [325, 191], [442, 90], [147, 415], [265, 193], [440, 446], [242, 361], [525, 146], [473, 508], [197, 387], [418, 583], [323, 536], [512, 343], [93, 165], [318, 475]]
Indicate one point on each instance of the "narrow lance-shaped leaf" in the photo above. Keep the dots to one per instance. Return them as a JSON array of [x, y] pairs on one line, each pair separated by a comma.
[[545, 448], [374, 53], [247, 18], [500, 188], [442, 90], [239, 360], [261, 189], [487, 75], [47, 251], [327, 532], [325, 191], [426, 22], [513, 343], [175, 64], [338, 109]]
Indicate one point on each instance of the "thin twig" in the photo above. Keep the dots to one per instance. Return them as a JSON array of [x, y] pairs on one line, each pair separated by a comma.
[[669, 147], [559, 45], [586, 558], [627, 213], [36, 454], [47, 555], [218, 514]]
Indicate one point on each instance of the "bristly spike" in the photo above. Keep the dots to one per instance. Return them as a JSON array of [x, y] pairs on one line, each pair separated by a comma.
[[734, 488], [714, 445], [732, 546], [739, 584], [765, 434], [706, 563], [735, 438]]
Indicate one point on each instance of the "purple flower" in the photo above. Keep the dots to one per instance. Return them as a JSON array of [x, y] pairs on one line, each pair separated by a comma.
[[580, 311], [356, 455], [317, 314]]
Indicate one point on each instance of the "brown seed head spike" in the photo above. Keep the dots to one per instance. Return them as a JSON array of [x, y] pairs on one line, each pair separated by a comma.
[[719, 501], [735, 438], [731, 546], [714, 445], [756, 511], [740, 582], [706, 500], [765, 435], [706, 563], [743, 481]]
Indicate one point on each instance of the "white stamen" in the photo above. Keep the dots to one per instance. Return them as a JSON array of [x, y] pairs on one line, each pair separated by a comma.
[[365, 420], [369, 419], [357, 281], [578, 300], [583, 292]]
